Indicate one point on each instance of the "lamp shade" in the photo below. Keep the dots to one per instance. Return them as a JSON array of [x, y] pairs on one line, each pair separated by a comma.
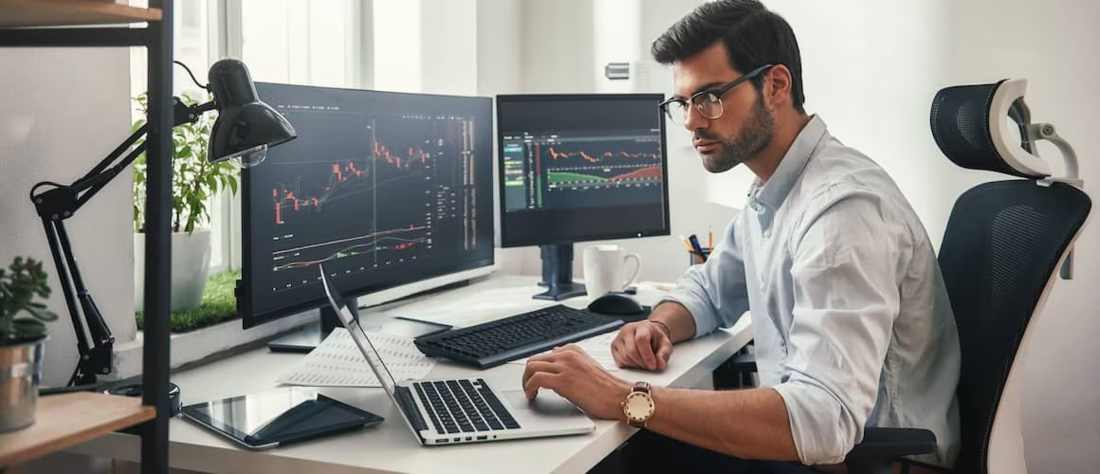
[[245, 127]]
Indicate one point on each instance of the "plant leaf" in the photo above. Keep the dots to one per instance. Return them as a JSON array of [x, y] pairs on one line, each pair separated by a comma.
[[28, 328], [42, 314]]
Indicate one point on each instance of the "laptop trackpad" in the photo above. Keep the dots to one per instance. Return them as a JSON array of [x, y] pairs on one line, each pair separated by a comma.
[[547, 403]]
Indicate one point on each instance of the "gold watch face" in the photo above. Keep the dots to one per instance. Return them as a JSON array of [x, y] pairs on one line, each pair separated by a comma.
[[638, 406]]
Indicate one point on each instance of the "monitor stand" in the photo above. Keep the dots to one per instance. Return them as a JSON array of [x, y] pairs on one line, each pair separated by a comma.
[[309, 337], [557, 273]]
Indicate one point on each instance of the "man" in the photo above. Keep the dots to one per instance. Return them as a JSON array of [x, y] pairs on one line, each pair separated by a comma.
[[850, 318]]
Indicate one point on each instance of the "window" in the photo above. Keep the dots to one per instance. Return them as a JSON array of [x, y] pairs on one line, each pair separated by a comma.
[[290, 41], [300, 41]]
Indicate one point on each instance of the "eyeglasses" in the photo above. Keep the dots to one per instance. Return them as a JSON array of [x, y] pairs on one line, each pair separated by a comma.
[[708, 102]]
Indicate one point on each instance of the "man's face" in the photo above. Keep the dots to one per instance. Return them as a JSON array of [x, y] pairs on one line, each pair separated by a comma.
[[746, 125]]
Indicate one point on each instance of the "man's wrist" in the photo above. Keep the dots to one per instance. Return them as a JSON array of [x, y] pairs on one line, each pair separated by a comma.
[[621, 392], [663, 327]]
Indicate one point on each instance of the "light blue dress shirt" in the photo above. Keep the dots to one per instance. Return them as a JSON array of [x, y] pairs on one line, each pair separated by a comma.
[[850, 317]]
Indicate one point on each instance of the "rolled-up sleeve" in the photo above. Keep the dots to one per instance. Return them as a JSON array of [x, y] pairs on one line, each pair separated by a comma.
[[845, 261], [714, 292]]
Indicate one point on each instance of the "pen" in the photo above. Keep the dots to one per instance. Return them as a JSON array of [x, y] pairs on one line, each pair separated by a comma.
[[698, 255], [710, 238], [695, 244]]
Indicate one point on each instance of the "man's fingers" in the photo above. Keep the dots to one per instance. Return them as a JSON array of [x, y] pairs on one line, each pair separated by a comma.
[[551, 356], [643, 341], [618, 353], [664, 353], [539, 380], [536, 366], [630, 353]]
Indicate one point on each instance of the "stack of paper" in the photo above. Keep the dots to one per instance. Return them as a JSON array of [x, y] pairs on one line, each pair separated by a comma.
[[337, 362]]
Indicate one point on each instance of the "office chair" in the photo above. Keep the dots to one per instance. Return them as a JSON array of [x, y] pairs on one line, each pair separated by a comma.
[[1003, 242]]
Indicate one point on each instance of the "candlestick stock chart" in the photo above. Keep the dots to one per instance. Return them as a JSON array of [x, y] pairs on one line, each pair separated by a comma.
[[370, 191]]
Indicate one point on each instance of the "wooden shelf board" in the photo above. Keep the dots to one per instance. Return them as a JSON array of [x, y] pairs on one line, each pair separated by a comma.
[[68, 420], [71, 12]]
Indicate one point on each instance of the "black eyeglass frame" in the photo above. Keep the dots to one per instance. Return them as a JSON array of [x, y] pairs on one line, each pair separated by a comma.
[[718, 93]]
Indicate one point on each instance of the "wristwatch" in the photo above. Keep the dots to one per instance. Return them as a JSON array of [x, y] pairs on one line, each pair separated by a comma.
[[638, 406]]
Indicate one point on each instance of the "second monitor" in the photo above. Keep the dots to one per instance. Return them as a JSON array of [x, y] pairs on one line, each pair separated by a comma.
[[577, 168]]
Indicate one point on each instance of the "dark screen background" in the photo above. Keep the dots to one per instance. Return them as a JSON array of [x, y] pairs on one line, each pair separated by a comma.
[[382, 188]]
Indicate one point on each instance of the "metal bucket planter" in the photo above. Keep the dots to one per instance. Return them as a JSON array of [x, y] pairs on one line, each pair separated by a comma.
[[20, 374]]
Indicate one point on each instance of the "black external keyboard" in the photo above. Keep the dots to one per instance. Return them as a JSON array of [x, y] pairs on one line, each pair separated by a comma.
[[515, 337]]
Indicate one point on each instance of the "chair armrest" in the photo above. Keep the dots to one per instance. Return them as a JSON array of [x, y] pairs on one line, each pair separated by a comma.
[[882, 446], [893, 443]]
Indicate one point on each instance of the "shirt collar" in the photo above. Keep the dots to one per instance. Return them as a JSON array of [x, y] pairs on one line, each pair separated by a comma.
[[772, 193]]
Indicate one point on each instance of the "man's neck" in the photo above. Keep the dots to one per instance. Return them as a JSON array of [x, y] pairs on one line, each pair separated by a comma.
[[786, 131]]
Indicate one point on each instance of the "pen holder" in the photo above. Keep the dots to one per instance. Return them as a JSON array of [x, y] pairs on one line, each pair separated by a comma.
[[696, 258]]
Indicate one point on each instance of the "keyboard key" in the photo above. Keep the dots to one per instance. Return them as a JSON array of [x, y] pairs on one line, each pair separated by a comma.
[[427, 405], [509, 422], [505, 418]]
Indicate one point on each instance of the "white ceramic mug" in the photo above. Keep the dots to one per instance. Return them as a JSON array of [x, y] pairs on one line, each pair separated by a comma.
[[605, 269]]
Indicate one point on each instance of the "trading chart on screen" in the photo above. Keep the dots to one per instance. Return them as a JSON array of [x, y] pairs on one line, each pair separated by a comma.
[[369, 191], [569, 170]]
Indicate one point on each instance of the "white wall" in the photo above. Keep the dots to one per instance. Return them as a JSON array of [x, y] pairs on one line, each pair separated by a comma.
[[61, 111], [996, 39], [449, 40], [557, 42], [398, 65]]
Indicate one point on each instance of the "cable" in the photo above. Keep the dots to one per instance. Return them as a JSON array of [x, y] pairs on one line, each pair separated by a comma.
[[44, 183], [196, 81]]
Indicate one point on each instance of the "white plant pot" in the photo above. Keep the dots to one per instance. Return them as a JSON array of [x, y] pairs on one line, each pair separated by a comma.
[[190, 268]]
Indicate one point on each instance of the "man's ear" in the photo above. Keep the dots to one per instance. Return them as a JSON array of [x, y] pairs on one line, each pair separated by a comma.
[[777, 85]]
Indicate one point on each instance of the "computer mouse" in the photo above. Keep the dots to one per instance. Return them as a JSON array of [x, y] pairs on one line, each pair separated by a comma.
[[615, 304]]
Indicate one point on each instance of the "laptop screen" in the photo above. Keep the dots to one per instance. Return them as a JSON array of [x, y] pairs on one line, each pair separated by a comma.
[[357, 334]]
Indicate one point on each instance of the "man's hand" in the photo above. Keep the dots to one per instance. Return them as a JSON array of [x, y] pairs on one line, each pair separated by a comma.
[[643, 344], [573, 374]]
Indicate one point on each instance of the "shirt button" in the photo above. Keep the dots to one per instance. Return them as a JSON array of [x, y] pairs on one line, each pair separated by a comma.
[[767, 233]]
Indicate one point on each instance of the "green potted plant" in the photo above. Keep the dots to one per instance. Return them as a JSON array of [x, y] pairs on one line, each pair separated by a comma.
[[194, 181], [22, 340]]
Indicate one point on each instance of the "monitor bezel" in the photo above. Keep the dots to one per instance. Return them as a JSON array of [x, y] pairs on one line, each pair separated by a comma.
[[505, 242]]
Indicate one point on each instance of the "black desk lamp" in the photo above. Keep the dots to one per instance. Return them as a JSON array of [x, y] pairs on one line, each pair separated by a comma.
[[244, 129]]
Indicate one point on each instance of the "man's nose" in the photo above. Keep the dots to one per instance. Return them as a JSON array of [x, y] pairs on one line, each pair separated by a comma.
[[694, 119]]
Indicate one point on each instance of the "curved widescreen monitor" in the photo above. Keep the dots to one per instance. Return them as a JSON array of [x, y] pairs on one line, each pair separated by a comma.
[[385, 189], [581, 167]]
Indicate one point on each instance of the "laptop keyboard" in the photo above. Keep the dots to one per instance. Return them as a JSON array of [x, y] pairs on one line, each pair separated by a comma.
[[463, 406]]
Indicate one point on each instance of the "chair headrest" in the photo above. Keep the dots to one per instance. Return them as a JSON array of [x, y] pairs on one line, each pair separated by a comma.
[[970, 125]]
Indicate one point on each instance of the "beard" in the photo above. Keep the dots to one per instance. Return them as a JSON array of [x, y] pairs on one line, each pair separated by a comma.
[[753, 137]]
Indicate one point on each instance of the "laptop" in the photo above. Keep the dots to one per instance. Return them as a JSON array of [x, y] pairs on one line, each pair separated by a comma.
[[459, 411]]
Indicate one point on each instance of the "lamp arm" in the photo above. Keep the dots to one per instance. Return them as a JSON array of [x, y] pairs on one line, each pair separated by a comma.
[[95, 343]]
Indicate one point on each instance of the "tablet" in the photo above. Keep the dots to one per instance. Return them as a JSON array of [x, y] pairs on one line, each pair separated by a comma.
[[278, 417], [402, 326]]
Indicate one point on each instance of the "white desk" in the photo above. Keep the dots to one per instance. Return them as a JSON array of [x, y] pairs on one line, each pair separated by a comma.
[[390, 447]]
